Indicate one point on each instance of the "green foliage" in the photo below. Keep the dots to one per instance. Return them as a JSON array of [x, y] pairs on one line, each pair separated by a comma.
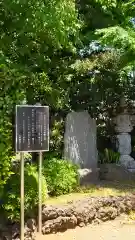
[[61, 176], [109, 156], [32, 32], [10, 95], [56, 136], [11, 194], [40, 61], [121, 34], [52, 21]]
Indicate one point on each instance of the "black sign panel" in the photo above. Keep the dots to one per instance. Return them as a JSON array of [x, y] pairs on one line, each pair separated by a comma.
[[32, 128]]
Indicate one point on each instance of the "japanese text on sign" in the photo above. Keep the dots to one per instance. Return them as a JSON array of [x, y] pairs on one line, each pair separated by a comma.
[[32, 128]]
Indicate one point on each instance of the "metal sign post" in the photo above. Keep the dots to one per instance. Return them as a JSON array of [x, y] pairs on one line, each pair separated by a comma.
[[40, 194], [32, 135], [22, 195]]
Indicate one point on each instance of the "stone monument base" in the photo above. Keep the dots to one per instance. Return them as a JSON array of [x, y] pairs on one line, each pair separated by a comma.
[[127, 161], [88, 176], [113, 172]]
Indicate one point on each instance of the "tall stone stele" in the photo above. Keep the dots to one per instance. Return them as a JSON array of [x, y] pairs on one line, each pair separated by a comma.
[[123, 127], [80, 143]]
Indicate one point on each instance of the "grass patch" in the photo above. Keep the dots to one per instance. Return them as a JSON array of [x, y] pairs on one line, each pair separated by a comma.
[[103, 190]]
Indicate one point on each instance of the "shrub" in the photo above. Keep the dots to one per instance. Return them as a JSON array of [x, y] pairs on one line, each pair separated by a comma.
[[61, 176], [11, 196], [10, 95]]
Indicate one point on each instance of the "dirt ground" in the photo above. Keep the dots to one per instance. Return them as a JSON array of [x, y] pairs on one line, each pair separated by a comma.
[[113, 230]]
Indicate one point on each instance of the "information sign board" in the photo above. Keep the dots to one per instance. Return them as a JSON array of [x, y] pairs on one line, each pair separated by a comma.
[[32, 128]]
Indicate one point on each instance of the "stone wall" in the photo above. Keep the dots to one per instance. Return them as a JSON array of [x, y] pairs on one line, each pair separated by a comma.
[[78, 213]]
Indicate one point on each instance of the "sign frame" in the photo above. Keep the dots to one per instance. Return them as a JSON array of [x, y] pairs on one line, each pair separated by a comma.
[[30, 106]]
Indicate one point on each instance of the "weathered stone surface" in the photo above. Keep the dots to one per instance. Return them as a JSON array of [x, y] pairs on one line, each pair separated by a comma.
[[80, 140], [124, 143], [31, 224], [51, 212], [123, 126], [88, 176], [107, 213], [123, 123], [80, 145], [79, 213], [58, 224], [113, 172], [127, 161], [15, 231]]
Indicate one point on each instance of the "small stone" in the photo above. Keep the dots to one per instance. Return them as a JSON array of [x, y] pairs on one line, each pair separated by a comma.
[[61, 223], [96, 221], [49, 213], [82, 224], [31, 224]]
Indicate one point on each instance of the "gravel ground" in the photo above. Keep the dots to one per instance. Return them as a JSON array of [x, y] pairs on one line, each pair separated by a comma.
[[113, 230]]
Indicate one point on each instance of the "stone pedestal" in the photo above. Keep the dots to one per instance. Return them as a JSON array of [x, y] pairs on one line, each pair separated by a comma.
[[128, 162], [124, 148], [123, 127], [124, 143]]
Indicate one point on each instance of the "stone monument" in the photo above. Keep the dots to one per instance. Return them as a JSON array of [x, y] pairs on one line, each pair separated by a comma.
[[80, 143], [123, 127]]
